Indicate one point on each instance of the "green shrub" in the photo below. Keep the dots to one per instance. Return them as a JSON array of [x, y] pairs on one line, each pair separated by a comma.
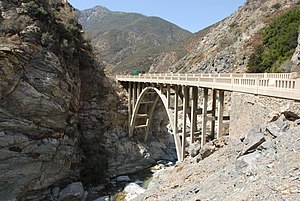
[[279, 41], [255, 61], [47, 39], [36, 10]]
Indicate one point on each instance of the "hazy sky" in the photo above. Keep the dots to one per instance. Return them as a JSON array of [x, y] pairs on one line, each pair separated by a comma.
[[192, 15]]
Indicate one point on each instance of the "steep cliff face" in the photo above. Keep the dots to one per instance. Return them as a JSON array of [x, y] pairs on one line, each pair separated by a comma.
[[228, 46], [42, 58]]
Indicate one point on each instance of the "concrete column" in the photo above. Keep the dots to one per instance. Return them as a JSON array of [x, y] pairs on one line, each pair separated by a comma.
[[180, 92], [133, 94], [213, 113], [177, 142], [185, 107], [168, 95], [220, 113], [138, 91], [204, 117], [188, 102], [194, 107], [176, 109], [161, 88], [129, 102]]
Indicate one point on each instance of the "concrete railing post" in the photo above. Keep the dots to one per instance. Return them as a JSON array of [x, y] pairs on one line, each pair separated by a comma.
[[256, 85], [297, 84], [186, 78], [294, 75], [214, 82]]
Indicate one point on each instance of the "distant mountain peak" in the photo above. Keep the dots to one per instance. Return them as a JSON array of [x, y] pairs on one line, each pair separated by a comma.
[[100, 9], [118, 35]]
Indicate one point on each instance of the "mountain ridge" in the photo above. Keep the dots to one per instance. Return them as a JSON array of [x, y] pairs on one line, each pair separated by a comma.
[[118, 35]]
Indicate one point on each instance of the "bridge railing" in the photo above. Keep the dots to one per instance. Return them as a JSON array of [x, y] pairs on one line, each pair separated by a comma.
[[244, 82], [236, 75]]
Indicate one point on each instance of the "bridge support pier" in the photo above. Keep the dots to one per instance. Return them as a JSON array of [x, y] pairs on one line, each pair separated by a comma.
[[220, 113], [194, 108], [134, 94], [138, 90], [168, 95], [185, 107], [204, 117], [213, 114], [129, 103]]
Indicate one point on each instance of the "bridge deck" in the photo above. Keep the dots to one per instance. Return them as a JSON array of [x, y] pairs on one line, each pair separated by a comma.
[[280, 85]]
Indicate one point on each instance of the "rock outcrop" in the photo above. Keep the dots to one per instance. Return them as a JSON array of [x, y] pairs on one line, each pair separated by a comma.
[[40, 96]]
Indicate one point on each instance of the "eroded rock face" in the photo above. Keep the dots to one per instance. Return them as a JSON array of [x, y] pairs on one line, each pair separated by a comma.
[[36, 97], [39, 101]]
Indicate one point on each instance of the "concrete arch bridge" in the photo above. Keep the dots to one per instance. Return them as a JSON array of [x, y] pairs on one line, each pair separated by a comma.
[[144, 92]]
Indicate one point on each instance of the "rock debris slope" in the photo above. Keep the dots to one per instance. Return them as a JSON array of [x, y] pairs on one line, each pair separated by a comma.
[[262, 164]]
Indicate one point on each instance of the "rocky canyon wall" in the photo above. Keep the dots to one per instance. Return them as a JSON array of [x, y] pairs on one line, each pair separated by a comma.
[[61, 119]]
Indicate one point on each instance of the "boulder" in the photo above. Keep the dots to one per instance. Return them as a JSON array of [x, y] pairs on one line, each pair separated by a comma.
[[194, 149], [252, 140], [246, 161], [104, 198], [55, 192], [273, 129], [73, 192], [133, 190], [123, 179]]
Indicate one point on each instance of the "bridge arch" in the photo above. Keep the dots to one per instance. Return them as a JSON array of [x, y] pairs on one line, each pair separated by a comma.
[[163, 98]]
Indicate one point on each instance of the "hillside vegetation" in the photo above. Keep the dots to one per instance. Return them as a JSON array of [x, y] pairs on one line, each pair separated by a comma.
[[119, 35], [279, 40]]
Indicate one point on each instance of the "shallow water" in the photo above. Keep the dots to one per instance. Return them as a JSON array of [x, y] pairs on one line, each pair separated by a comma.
[[115, 189]]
